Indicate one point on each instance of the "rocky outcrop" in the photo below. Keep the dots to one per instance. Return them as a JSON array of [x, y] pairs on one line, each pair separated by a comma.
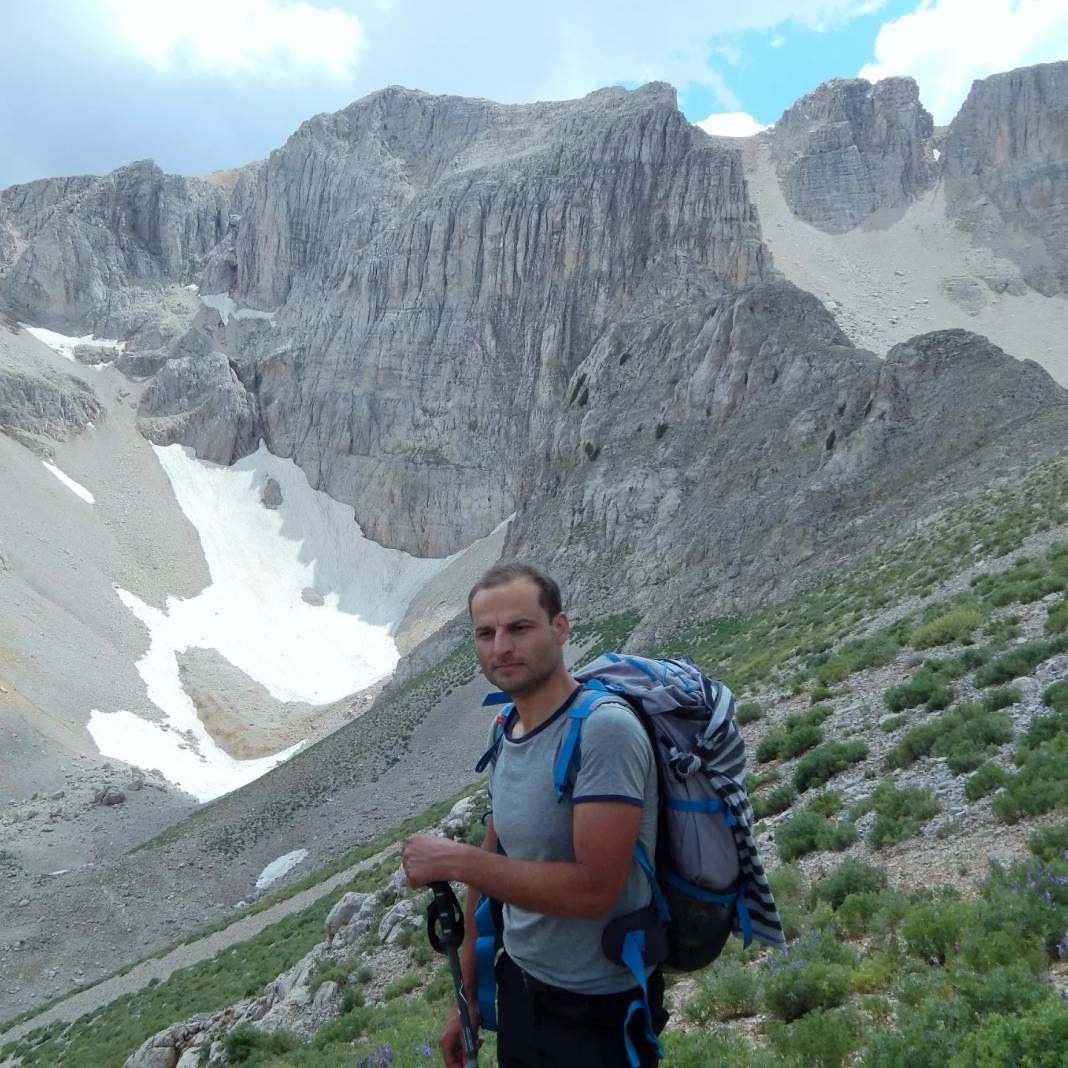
[[37, 402], [436, 268], [723, 456], [1006, 169], [851, 148], [95, 254]]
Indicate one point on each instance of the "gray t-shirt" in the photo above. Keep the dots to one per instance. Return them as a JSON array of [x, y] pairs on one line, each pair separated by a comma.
[[617, 765]]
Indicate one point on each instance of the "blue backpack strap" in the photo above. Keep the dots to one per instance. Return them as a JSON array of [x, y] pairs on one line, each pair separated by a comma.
[[593, 692], [490, 755], [646, 866], [488, 943], [633, 956]]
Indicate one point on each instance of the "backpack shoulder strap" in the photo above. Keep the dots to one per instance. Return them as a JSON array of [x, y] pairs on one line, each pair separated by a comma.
[[593, 693], [490, 755]]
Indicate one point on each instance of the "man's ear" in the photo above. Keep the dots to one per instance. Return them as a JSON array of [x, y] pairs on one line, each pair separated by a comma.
[[561, 627]]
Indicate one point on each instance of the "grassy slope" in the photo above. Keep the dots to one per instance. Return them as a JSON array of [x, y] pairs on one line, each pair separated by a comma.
[[874, 969]]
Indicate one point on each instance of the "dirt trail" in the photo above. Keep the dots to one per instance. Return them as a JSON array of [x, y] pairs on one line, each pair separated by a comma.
[[161, 968]]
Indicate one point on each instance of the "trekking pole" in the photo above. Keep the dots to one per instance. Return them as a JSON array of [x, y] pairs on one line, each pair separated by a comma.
[[445, 929]]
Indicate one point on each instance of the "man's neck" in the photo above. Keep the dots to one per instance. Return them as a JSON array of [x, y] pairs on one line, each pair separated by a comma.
[[533, 709]]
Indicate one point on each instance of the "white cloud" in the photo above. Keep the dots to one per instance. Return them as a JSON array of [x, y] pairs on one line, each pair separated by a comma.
[[778, 41], [946, 44], [731, 124], [272, 39]]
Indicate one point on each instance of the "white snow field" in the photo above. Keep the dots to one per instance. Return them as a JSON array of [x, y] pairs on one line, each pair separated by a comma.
[[69, 482], [277, 868], [64, 345], [253, 613]]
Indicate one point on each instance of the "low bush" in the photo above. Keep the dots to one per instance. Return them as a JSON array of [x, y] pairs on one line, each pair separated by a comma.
[[924, 685], [1056, 696], [1040, 785], [850, 877], [931, 930], [891, 723], [799, 986], [774, 801], [822, 764], [1021, 660], [808, 832], [953, 627], [821, 1038], [242, 1042], [1037, 1038], [1057, 620], [403, 984], [800, 732], [1030, 903], [728, 991], [899, 814], [828, 804], [1050, 843], [965, 736], [749, 712], [987, 778]]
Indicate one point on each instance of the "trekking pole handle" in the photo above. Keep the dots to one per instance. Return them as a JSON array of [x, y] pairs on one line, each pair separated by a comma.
[[445, 929]]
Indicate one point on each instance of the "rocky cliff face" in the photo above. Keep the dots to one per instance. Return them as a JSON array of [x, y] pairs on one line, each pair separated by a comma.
[[1006, 169], [94, 253], [852, 148], [437, 268], [722, 455]]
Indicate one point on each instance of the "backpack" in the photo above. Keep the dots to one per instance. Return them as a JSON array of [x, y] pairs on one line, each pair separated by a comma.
[[707, 880]]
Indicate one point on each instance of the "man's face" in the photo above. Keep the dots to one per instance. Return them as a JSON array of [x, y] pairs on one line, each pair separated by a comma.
[[518, 646]]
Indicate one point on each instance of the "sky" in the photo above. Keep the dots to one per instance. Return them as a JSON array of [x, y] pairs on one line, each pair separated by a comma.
[[205, 85]]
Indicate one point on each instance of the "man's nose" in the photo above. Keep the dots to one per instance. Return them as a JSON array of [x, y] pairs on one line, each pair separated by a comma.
[[502, 641]]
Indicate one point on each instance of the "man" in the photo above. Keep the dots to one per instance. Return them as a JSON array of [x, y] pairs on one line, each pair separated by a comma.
[[568, 867]]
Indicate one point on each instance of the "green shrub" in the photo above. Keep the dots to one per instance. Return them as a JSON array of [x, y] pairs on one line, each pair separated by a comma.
[[965, 736], [403, 984], [820, 1039], [1021, 660], [1056, 696], [1040, 785], [892, 723], [913, 693], [1057, 620], [808, 832], [955, 626], [987, 778], [850, 877], [749, 712], [1030, 901], [822, 764], [926, 1036], [774, 801], [1037, 1039], [730, 990], [242, 1042], [899, 814], [931, 930], [1050, 843], [798, 733], [828, 804], [791, 990]]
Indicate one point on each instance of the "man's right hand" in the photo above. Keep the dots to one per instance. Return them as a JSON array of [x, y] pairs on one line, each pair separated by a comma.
[[452, 1041]]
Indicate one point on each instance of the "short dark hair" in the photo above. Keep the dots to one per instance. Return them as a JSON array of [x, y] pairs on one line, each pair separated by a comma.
[[548, 591]]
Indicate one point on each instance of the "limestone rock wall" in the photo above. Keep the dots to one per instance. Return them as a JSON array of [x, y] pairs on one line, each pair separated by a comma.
[[851, 148], [1006, 169]]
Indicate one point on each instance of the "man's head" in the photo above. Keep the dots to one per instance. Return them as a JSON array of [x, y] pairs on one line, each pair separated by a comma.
[[519, 627]]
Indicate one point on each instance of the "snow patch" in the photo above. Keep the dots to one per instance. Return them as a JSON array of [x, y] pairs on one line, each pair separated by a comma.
[[69, 482], [64, 345], [253, 613], [226, 306], [277, 868]]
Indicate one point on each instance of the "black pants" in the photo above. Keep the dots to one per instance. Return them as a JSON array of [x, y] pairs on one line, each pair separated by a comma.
[[552, 1028]]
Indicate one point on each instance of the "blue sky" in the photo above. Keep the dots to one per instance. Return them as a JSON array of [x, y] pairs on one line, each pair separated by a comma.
[[202, 85]]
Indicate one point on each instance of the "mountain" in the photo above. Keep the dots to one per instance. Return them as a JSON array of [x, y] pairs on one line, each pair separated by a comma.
[[693, 375]]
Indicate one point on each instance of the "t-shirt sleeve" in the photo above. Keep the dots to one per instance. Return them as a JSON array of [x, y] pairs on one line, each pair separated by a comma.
[[616, 757]]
